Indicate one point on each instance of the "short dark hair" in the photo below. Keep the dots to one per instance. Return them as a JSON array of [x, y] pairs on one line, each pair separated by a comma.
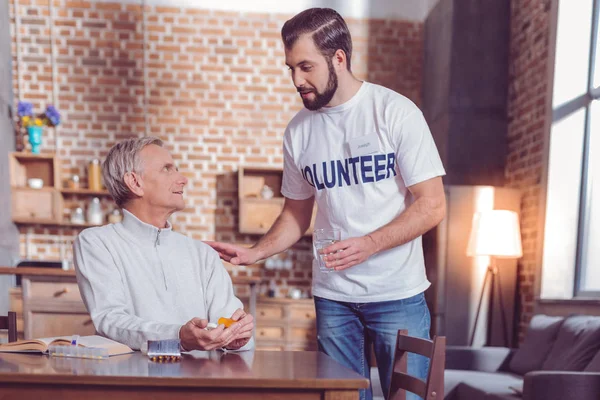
[[329, 31]]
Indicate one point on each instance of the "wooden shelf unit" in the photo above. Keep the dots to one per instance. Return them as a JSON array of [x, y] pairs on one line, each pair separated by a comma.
[[42, 222], [27, 203], [24, 166], [43, 206], [85, 192], [256, 214]]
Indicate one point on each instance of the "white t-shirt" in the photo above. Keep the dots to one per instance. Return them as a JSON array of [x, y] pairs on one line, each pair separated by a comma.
[[358, 159]]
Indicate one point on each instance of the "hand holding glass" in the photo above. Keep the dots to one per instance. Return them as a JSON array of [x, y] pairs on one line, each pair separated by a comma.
[[323, 238]]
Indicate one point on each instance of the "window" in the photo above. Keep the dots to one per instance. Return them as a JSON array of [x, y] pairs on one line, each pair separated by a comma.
[[571, 258]]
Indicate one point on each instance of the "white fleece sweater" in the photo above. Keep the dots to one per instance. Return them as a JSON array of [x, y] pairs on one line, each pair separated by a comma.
[[139, 282]]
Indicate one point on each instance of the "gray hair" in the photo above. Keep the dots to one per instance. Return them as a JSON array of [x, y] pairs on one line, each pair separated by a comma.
[[122, 158]]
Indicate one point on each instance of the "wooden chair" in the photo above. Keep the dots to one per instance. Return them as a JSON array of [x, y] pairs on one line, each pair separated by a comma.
[[10, 322], [435, 350]]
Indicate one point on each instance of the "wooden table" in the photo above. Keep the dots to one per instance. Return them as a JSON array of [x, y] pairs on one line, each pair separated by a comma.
[[266, 375]]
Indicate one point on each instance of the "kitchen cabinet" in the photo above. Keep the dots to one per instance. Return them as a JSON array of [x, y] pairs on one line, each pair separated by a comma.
[[52, 306], [285, 324]]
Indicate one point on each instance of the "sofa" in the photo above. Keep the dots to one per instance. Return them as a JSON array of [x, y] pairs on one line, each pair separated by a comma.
[[558, 360]]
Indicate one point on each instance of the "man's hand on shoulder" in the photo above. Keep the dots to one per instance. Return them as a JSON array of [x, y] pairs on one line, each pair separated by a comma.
[[235, 254]]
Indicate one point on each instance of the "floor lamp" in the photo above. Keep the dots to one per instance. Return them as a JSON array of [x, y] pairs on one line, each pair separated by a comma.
[[496, 234]]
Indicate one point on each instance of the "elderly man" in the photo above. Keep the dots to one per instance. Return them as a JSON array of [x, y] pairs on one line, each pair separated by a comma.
[[139, 279]]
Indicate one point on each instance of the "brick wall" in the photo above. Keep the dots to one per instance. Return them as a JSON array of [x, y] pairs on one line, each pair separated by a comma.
[[212, 84], [527, 111]]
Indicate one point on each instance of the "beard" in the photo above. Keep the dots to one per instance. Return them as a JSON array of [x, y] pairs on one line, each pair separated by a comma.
[[322, 99]]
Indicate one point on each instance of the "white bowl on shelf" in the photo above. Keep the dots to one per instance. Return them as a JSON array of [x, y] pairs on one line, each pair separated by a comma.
[[35, 183]]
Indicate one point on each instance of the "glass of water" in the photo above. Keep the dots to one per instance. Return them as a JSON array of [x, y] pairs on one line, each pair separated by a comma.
[[323, 238]]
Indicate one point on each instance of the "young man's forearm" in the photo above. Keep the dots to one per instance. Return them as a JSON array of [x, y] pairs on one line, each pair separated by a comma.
[[421, 216]]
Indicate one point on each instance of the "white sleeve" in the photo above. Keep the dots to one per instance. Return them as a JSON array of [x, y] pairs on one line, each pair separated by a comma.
[[104, 296], [416, 154], [220, 298], [293, 185]]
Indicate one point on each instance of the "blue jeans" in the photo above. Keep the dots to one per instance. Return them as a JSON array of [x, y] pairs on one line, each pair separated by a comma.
[[345, 330]]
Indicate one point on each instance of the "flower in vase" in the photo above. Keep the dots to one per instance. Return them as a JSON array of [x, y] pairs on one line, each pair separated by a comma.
[[33, 123], [52, 116], [25, 109]]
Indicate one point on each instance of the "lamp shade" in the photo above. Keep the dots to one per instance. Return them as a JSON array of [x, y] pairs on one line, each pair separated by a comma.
[[495, 233]]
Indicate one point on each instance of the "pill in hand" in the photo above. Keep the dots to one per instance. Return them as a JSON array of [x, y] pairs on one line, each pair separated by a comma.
[[226, 321], [211, 325]]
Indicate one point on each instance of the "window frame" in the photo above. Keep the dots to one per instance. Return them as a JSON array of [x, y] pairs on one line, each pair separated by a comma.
[[544, 304], [584, 101]]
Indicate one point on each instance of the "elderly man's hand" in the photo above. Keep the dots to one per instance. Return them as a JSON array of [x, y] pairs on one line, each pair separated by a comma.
[[244, 334], [194, 336]]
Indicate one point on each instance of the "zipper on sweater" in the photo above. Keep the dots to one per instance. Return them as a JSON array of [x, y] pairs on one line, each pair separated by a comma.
[[156, 244]]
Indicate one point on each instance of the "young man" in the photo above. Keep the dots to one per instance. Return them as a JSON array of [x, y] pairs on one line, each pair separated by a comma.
[[365, 154], [140, 280]]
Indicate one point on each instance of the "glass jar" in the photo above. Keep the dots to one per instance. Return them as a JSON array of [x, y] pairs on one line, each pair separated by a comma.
[[94, 212], [94, 175], [77, 216], [74, 182]]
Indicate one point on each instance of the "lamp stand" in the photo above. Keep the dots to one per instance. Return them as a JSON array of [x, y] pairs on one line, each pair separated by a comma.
[[491, 274]]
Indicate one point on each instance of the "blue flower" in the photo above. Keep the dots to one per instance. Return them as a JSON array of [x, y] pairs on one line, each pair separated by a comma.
[[25, 109], [53, 116]]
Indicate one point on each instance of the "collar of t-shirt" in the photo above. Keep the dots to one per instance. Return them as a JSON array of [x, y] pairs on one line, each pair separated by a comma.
[[348, 104]]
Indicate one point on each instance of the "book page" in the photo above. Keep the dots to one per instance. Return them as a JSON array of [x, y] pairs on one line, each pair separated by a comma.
[[41, 345], [34, 345], [114, 348]]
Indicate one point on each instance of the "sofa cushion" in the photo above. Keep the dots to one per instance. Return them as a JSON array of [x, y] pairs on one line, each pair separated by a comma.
[[594, 365], [577, 343], [504, 397], [475, 385], [540, 337], [466, 392]]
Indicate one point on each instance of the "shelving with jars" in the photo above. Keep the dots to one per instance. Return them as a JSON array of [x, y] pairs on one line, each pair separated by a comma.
[[39, 197], [260, 199]]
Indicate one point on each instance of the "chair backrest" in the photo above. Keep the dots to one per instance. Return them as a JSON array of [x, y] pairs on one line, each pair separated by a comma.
[[10, 322], [435, 350]]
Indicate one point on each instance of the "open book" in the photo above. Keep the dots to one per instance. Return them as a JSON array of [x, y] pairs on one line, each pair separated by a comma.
[[41, 345]]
